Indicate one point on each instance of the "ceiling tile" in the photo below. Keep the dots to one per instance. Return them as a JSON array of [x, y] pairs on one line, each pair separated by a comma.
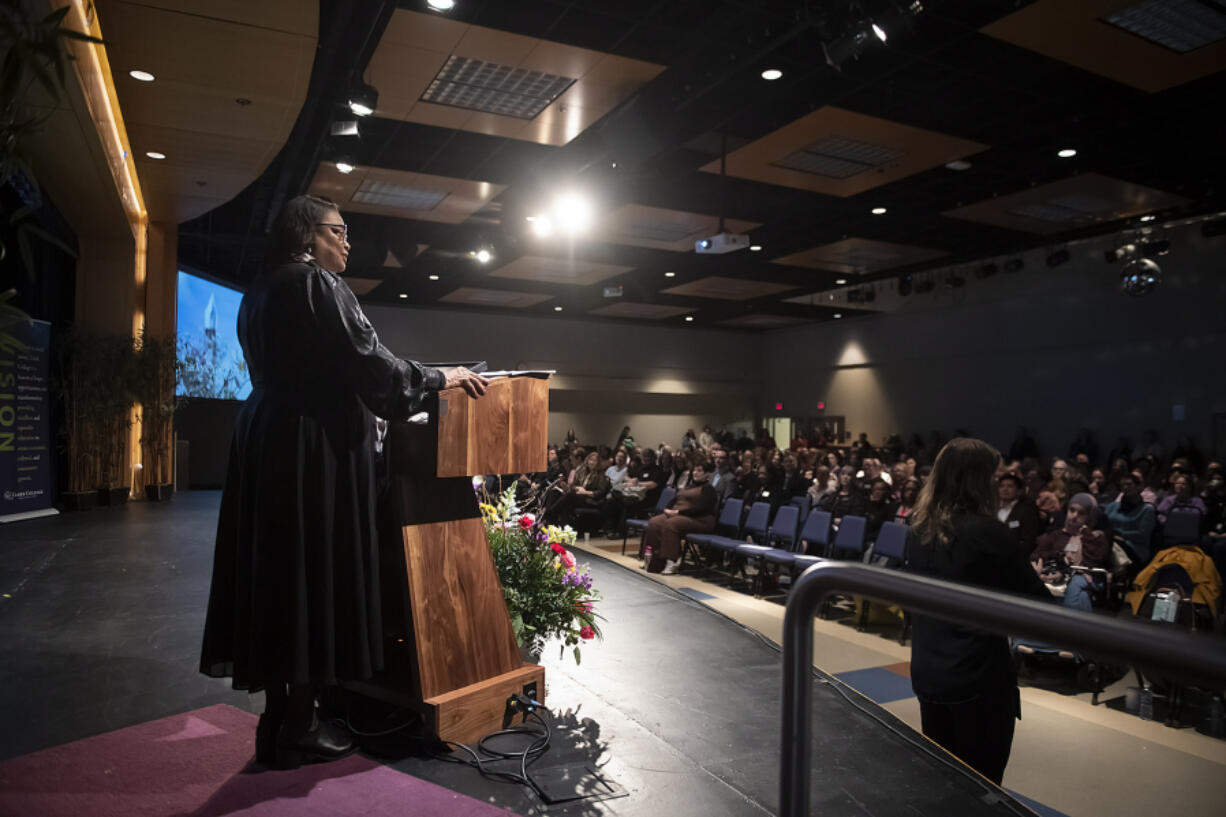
[[728, 289], [571, 271], [859, 256], [627, 309], [476, 296]]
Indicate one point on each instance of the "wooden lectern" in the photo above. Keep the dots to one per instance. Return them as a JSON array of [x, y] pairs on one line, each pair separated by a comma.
[[451, 653]]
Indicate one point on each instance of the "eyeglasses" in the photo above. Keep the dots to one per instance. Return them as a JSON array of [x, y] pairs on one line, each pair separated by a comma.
[[344, 229]]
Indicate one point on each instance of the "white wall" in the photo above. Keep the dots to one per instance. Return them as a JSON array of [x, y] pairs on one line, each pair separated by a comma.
[[658, 380], [1054, 349]]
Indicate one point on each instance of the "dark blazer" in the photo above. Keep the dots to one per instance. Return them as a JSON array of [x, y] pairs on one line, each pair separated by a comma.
[[1024, 522]]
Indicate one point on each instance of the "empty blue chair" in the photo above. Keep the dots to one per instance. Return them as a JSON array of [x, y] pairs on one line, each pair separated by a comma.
[[888, 551], [782, 534], [813, 539], [666, 498], [756, 528], [1182, 527], [802, 502], [850, 537]]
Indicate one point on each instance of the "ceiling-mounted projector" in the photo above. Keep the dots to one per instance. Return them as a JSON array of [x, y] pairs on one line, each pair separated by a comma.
[[722, 243]]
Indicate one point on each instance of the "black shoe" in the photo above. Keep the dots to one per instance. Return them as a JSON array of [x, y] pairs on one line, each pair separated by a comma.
[[266, 739], [324, 741]]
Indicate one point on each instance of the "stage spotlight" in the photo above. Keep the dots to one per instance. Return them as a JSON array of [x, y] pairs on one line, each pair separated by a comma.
[[441, 5], [771, 74], [1140, 276], [1120, 253], [880, 32], [1058, 257], [363, 100], [572, 213], [1213, 228], [1014, 265], [542, 227], [925, 286], [345, 165], [904, 285], [842, 49], [955, 282], [869, 295], [483, 256], [986, 270]]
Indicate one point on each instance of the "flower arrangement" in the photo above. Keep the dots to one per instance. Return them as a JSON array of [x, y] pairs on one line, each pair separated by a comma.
[[548, 594]]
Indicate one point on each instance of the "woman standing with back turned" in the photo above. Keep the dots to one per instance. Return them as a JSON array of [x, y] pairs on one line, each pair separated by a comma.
[[964, 678], [294, 603]]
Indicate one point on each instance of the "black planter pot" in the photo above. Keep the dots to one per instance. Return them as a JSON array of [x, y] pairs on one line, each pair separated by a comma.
[[79, 500], [159, 493], [112, 496]]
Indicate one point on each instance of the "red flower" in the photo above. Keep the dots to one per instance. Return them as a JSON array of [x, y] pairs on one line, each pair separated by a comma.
[[558, 549], [587, 632], [526, 521]]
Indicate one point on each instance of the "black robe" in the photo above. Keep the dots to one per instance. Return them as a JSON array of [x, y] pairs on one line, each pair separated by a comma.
[[295, 592]]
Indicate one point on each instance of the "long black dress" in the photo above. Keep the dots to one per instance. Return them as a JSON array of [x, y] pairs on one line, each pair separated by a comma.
[[295, 593]]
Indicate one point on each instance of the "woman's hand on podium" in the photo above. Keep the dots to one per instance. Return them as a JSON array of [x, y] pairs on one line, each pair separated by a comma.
[[462, 378]]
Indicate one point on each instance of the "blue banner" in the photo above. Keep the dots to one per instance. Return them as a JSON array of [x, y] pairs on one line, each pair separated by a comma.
[[25, 423]]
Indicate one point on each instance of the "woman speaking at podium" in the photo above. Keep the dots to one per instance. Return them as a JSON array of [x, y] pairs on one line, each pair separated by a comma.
[[294, 603]]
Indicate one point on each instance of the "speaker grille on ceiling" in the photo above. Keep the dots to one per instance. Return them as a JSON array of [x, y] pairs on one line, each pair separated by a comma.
[[388, 194], [1069, 209], [838, 157], [492, 88], [1180, 25]]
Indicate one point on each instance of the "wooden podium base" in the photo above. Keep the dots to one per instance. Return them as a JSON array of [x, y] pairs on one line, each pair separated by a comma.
[[467, 714]]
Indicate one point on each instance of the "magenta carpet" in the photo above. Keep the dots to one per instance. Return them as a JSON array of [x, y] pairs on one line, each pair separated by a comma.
[[200, 764]]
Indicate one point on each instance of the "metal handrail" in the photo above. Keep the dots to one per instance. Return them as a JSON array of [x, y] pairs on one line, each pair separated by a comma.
[[1177, 653]]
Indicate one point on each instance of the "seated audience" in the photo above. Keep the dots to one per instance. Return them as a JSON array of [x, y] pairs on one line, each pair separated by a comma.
[[1181, 496], [588, 488], [906, 500], [693, 511], [1058, 553], [879, 508], [847, 499], [639, 491], [1133, 519], [822, 486], [722, 479], [617, 471], [1016, 510], [1049, 509]]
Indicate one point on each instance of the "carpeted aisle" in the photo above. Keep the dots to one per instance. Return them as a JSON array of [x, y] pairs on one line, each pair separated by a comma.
[[200, 764]]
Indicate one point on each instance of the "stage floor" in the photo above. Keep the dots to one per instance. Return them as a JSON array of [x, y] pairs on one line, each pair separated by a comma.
[[679, 705]]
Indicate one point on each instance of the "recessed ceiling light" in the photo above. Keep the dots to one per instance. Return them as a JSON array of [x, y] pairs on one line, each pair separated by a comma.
[[880, 32], [879, 211], [143, 76], [772, 74], [689, 318], [433, 277], [441, 5], [755, 248], [670, 275], [1067, 153], [483, 256], [1148, 218], [838, 315], [404, 295], [541, 226], [345, 167], [840, 281], [557, 309], [958, 165], [153, 154]]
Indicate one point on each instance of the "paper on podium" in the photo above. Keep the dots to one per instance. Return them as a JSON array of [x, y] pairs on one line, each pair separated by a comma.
[[540, 373]]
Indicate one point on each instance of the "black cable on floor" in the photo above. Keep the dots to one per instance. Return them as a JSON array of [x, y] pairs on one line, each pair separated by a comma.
[[484, 754]]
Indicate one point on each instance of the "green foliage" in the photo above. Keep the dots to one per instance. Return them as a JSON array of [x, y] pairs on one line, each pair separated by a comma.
[[153, 386], [548, 595], [96, 375]]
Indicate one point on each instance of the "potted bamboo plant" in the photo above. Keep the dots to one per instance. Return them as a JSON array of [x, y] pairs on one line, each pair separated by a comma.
[[154, 381], [112, 414], [75, 369]]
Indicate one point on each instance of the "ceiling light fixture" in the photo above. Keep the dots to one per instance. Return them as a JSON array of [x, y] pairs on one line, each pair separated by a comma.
[[1148, 218], [483, 256], [771, 74], [441, 5], [572, 213], [958, 164], [838, 315], [755, 248], [838, 282], [153, 154], [880, 32], [557, 309], [433, 277], [879, 211], [1066, 153], [345, 167], [363, 99], [143, 76], [1140, 276], [689, 318], [670, 275], [542, 227], [404, 295]]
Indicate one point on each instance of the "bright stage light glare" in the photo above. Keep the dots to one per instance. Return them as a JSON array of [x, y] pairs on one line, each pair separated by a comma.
[[542, 226], [572, 213], [483, 256]]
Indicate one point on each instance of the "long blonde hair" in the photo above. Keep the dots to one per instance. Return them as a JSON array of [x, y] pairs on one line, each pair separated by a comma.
[[962, 482]]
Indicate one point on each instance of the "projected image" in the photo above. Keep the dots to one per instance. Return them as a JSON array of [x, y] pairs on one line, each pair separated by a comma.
[[210, 359]]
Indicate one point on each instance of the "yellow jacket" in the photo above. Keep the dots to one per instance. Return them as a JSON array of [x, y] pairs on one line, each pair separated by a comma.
[[1207, 584]]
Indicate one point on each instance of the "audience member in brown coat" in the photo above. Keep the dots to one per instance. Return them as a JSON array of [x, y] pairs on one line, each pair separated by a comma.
[[693, 511]]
